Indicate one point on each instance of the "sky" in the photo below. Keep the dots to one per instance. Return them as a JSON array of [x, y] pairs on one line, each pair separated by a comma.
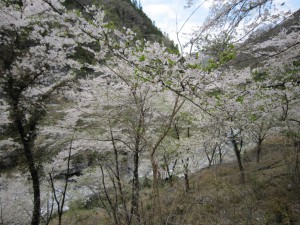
[[165, 13]]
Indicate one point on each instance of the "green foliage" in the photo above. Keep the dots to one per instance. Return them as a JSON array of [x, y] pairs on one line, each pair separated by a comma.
[[110, 25], [240, 99], [13, 2], [77, 204], [84, 56], [186, 116], [253, 117], [145, 183], [92, 202], [212, 65], [219, 48], [222, 58], [168, 82], [259, 76], [215, 93], [142, 58], [173, 49], [171, 62], [228, 54], [296, 63], [194, 66]]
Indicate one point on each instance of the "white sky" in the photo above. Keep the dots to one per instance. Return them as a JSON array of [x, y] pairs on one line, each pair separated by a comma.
[[165, 13]]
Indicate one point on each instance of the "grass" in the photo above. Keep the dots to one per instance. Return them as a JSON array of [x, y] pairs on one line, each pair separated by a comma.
[[268, 196], [217, 197], [82, 216]]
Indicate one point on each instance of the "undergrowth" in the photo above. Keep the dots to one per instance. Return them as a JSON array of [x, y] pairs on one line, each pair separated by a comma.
[[216, 195]]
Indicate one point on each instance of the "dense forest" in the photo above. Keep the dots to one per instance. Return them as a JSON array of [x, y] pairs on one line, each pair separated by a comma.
[[105, 121]]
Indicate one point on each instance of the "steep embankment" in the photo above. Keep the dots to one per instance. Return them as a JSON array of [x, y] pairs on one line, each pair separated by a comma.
[[216, 196]]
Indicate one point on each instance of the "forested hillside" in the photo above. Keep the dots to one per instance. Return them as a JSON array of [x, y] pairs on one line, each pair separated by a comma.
[[103, 121], [127, 13]]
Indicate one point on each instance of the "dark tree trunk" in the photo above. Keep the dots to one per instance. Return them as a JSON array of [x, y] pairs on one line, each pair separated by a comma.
[[186, 175], [136, 189], [59, 218], [35, 183], [177, 131], [135, 212], [173, 169], [258, 150], [27, 139], [237, 151], [166, 162], [26, 115], [220, 155], [297, 163], [36, 196], [26, 128], [118, 177], [186, 182], [209, 158]]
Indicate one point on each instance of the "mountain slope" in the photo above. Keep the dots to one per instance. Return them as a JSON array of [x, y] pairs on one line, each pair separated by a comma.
[[124, 13], [251, 55]]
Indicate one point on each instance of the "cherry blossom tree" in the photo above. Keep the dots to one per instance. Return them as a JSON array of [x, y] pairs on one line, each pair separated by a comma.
[[134, 116], [38, 40]]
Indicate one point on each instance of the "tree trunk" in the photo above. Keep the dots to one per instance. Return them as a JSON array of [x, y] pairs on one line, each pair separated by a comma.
[[27, 140], [237, 151], [35, 184], [135, 200], [220, 155], [186, 175], [297, 163], [156, 200], [155, 177], [136, 189], [156, 206], [258, 150], [61, 201], [241, 168], [114, 211], [167, 167], [209, 158], [59, 218], [186, 182], [117, 175]]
